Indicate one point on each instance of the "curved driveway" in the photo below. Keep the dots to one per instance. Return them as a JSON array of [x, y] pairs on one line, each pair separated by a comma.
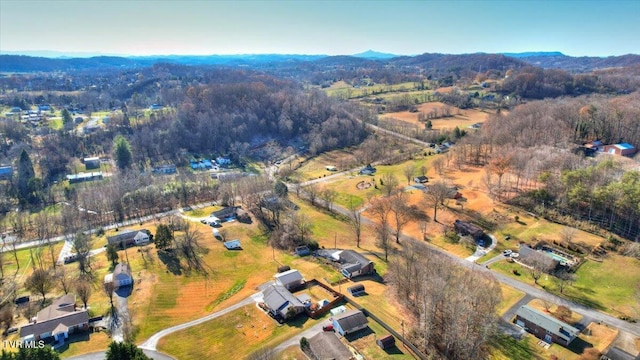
[[152, 342]]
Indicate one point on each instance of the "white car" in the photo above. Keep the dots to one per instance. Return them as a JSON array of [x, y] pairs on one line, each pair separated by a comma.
[[507, 252]]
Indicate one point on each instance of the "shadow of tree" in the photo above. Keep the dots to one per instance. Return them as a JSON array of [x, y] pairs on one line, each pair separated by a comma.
[[171, 261]]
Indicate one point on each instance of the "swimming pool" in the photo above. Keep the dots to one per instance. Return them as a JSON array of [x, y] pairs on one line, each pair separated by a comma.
[[557, 257]]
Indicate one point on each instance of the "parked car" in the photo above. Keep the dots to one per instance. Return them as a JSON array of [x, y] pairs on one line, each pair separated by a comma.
[[507, 252], [327, 327]]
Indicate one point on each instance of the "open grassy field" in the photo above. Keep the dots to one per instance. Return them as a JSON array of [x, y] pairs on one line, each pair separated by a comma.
[[345, 91], [366, 344], [510, 297], [248, 326], [460, 118], [600, 285]]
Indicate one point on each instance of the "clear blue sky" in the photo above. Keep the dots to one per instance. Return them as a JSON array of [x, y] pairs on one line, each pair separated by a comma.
[[145, 27]]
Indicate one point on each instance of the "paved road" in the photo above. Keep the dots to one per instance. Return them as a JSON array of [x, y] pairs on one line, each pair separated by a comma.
[[295, 340], [536, 292], [393, 133], [152, 342], [101, 355]]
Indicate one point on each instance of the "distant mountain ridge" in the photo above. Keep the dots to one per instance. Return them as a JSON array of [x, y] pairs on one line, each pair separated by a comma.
[[371, 54], [478, 62]]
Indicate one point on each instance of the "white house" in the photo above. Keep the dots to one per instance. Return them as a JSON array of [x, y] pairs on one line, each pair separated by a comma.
[[141, 238], [121, 276]]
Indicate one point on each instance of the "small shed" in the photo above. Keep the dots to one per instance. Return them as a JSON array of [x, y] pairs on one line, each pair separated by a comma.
[[331, 168], [302, 251], [420, 179], [386, 342], [233, 245], [91, 163], [356, 290], [283, 268]]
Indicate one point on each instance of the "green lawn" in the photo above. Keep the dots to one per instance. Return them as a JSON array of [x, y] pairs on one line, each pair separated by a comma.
[[233, 336], [600, 285]]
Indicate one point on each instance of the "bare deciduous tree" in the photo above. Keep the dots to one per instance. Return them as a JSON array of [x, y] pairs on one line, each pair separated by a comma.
[[408, 172], [402, 213], [381, 208], [435, 195], [390, 183], [40, 282], [84, 290]]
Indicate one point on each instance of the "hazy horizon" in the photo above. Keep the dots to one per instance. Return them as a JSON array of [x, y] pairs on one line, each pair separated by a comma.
[[163, 28]]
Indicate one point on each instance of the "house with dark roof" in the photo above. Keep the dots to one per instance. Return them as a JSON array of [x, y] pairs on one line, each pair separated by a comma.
[[57, 320], [354, 264], [128, 238], [226, 213], [91, 163], [466, 228], [350, 322], [368, 170], [545, 326], [281, 302]]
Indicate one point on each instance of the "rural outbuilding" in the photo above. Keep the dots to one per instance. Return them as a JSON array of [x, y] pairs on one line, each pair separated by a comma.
[[386, 342], [356, 290], [624, 149], [233, 245], [420, 179], [91, 163], [467, 228], [350, 322]]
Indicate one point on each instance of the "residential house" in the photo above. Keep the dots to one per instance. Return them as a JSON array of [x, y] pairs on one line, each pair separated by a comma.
[[353, 264], [290, 279], [466, 228], [165, 169], [121, 276], [368, 170], [128, 238], [420, 179], [349, 322], [57, 320], [326, 345], [223, 160], [545, 326], [623, 149], [226, 213], [84, 176], [6, 172], [155, 107], [281, 302], [141, 238], [91, 163]]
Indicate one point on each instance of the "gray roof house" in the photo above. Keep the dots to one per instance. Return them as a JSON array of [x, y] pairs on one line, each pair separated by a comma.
[[57, 320], [545, 326], [290, 279], [128, 237], [354, 264], [281, 302], [121, 276], [349, 322]]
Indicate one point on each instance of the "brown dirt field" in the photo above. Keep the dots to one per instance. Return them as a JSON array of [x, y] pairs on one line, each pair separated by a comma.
[[460, 118], [601, 336], [539, 305]]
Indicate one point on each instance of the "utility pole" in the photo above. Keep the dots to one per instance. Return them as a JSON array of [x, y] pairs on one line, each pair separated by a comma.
[[335, 240]]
